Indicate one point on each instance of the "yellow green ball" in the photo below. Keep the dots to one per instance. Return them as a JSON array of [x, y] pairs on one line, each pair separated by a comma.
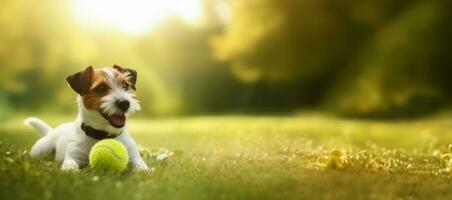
[[108, 155]]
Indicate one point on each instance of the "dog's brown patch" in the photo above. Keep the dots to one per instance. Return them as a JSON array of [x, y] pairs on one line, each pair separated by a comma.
[[123, 81], [92, 98], [132, 75]]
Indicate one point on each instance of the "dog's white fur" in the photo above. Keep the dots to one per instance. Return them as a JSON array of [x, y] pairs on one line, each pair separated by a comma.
[[70, 144]]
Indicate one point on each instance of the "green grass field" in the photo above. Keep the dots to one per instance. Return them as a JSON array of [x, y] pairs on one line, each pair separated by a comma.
[[305, 157]]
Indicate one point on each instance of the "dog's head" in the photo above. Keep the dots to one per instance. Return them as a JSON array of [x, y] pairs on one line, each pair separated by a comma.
[[107, 93]]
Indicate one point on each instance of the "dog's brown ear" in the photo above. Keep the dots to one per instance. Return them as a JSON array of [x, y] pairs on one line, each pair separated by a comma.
[[132, 74], [80, 81]]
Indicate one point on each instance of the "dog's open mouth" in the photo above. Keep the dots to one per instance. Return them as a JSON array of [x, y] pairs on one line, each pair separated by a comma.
[[116, 120]]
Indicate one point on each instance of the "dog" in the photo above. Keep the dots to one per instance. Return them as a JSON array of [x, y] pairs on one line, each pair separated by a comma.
[[105, 99]]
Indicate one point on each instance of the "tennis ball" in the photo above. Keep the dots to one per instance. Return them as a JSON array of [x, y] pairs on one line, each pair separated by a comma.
[[108, 155]]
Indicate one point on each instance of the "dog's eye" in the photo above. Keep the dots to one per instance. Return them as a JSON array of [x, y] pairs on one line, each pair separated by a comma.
[[125, 86], [101, 89]]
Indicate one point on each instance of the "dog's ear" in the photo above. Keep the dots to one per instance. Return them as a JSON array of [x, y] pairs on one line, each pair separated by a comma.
[[80, 81], [132, 74]]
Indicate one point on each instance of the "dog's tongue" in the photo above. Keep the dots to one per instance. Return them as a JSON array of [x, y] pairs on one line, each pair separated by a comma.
[[118, 120]]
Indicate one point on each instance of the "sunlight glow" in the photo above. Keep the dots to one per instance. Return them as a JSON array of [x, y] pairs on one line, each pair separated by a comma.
[[136, 16]]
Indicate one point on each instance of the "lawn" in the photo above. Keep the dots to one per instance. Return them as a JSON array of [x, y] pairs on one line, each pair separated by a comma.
[[311, 156]]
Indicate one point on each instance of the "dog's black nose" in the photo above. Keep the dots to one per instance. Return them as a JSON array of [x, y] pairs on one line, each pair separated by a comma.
[[123, 105]]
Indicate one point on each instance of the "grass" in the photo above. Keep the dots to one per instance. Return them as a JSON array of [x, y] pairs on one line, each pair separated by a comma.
[[304, 157]]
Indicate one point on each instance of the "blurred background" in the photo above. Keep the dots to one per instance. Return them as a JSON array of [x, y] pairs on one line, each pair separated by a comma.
[[366, 58]]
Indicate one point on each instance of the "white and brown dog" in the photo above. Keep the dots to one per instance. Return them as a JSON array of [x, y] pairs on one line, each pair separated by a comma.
[[105, 98]]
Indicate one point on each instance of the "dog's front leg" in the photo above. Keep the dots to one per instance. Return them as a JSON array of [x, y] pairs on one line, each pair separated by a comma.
[[138, 164], [70, 164], [135, 160], [72, 157]]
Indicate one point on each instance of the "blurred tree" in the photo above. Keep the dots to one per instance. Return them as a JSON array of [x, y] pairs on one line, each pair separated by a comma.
[[181, 57], [32, 38], [307, 40], [403, 70], [304, 51]]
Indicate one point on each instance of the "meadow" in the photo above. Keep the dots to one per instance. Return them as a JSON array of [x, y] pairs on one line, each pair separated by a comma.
[[309, 156]]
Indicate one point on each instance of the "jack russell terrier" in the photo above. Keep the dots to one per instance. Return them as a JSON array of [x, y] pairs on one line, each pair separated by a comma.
[[105, 98]]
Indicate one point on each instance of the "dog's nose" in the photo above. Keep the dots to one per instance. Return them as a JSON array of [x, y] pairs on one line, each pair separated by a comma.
[[123, 105]]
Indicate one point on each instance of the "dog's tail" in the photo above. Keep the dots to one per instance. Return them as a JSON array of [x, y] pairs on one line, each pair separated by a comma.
[[38, 124]]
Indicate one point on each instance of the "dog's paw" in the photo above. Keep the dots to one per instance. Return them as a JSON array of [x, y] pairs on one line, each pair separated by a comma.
[[70, 165], [139, 166]]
